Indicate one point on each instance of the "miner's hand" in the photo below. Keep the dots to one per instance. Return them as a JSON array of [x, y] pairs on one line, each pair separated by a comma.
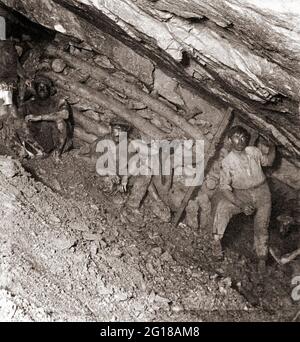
[[28, 82], [248, 209], [115, 180], [124, 186]]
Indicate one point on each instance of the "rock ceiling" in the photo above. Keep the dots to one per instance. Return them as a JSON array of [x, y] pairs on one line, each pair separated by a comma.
[[241, 53]]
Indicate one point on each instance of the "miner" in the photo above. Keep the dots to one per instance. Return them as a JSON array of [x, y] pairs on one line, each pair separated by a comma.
[[119, 129], [48, 119], [143, 185], [118, 183], [244, 189]]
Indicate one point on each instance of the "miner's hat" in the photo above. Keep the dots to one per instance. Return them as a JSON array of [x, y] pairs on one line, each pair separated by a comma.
[[43, 79], [119, 122]]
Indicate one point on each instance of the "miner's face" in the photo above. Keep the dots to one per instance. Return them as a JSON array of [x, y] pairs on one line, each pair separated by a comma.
[[116, 131], [239, 142], [43, 90]]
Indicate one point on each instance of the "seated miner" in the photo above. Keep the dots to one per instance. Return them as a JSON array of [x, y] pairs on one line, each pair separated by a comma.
[[47, 119], [10, 71], [244, 189], [114, 182], [290, 216], [143, 184]]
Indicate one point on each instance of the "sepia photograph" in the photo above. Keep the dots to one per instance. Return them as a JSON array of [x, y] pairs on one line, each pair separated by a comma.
[[149, 163]]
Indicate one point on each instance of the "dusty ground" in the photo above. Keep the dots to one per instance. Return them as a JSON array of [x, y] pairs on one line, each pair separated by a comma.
[[65, 255]]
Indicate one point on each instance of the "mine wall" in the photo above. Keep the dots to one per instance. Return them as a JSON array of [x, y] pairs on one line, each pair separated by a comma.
[[113, 81]]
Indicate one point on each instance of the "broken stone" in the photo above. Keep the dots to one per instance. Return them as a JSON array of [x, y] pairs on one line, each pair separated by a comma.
[[151, 297], [167, 87], [19, 50], [161, 300], [157, 251], [8, 167], [150, 268], [56, 186], [91, 114], [167, 257], [58, 65], [54, 219], [224, 285], [95, 207], [91, 237], [103, 244], [139, 66], [177, 308], [203, 123], [121, 297], [104, 62], [136, 105], [210, 136], [146, 114], [211, 183], [79, 226], [117, 253], [205, 131], [63, 243], [83, 136], [94, 249]]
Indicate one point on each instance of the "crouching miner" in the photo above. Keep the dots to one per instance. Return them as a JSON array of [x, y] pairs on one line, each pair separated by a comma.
[[48, 119], [244, 189]]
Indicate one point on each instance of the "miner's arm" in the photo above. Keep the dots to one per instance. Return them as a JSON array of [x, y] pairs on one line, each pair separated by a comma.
[[54, 117], [268, 153], [225, 186], [21, 73]]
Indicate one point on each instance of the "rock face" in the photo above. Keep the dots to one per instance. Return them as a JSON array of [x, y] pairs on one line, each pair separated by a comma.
[[244, 54]]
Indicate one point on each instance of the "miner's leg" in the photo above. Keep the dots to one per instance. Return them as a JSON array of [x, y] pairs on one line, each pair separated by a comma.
[[224, 211], [62, 138], [131, 212], [160, 209], [138, 191], [261, 225]]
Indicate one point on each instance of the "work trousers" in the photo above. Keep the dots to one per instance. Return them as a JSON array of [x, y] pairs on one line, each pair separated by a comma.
[[260, 198]]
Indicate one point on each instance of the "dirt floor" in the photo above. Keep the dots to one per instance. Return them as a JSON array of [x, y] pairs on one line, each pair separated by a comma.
[[66, 254]]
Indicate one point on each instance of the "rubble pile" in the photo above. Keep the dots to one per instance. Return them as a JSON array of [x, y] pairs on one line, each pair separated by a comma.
[[64, 261]]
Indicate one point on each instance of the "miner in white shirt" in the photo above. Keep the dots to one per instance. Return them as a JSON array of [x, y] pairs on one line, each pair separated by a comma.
[[244, 189]]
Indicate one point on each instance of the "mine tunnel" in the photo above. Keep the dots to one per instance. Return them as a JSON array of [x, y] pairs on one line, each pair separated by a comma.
[[78, 245]]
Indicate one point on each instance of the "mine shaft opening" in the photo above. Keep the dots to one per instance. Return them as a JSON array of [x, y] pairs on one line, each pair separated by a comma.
[[69, 108]]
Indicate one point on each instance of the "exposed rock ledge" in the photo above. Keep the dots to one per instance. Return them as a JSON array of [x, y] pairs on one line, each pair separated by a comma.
[[244, 53]]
